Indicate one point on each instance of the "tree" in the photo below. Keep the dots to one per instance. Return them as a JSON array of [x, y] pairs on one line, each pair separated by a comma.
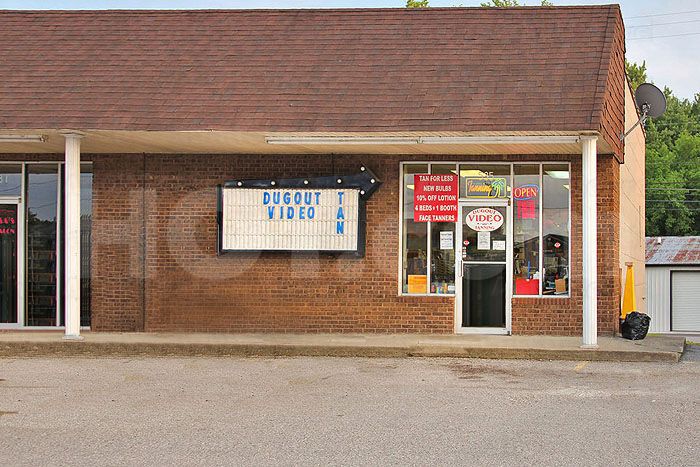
[[510, 3], [489, 4], [636, 73], [672, 163]]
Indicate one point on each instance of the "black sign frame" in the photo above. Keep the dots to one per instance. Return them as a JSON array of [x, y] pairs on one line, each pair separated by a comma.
[[365, 182]]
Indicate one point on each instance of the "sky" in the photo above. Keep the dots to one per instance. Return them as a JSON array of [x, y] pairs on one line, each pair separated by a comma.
[[664, 34]]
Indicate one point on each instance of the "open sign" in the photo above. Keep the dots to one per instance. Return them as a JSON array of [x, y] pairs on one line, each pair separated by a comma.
[[484, 220], [525, 192]]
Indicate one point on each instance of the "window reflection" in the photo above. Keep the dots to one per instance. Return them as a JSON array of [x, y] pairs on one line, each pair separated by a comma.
[[43, 268], [85, 241], [8, 262], [41, 281], [442, 245], [526, 229], [10, 180], [540, 201], [555, 228], [415, 238]]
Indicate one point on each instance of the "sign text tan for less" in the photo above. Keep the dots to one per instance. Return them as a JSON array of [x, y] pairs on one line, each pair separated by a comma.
[[435, 198]]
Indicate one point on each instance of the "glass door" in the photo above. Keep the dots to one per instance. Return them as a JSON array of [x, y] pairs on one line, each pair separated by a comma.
[[483, 268], [8, 263]]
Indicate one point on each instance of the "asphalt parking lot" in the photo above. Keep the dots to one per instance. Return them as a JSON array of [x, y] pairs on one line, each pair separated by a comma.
[[347, 411]]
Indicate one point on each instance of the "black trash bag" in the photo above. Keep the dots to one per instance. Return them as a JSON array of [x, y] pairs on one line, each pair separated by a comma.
[[635, 326]]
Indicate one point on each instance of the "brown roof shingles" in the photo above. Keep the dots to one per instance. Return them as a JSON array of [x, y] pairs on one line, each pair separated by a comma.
[[440, 69]]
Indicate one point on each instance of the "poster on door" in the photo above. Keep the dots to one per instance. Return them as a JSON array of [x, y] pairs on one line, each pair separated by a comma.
[[484, 219], [435, 198]]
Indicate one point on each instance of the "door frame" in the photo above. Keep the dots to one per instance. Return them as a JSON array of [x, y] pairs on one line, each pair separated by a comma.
[[19, 244], [475, 203]]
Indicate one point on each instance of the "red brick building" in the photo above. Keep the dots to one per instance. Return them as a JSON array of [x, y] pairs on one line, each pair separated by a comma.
[[279, 171]]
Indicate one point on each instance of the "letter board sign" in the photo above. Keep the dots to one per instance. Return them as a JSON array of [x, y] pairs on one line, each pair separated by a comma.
[[314, 214]]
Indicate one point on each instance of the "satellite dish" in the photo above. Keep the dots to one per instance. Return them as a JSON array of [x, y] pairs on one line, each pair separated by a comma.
[[650, 101]]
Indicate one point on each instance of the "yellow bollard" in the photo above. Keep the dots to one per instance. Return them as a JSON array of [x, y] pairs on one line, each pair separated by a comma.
[[629, 302]]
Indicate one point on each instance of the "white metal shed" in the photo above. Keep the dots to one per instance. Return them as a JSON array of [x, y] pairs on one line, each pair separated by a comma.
[[673, 283]]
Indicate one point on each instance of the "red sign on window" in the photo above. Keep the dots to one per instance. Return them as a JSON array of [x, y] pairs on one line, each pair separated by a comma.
[[526, 209], [7, 222], [526, 201], [435, 198]]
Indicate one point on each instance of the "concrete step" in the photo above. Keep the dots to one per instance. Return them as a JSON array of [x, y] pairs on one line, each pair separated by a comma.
[[47, 344]]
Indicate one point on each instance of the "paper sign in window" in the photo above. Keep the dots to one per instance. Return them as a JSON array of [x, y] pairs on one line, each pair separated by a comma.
[[446, 240], [417, 284], [483, 240]]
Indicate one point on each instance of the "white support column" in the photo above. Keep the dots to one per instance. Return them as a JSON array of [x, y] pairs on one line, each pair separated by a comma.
[[590, 243], [72, 234]]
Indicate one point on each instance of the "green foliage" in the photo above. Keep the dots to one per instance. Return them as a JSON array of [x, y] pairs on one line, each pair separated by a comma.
[[417, 3], [510, 3], [636, 73], [673, 168], [500, 3], [672, 163]]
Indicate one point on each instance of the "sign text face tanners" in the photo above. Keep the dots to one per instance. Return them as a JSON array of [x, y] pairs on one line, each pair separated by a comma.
[[435, 198]]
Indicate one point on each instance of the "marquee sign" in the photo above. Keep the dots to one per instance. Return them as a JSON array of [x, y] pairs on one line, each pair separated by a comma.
[[300, 214]]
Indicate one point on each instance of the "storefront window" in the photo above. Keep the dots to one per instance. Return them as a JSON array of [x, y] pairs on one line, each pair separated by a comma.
[[526, 229], [9, 233], [85, 242], [415, 238], [540, 210], [442, 246], [555, 228], [37, 234], [10, 180], [42, 260]]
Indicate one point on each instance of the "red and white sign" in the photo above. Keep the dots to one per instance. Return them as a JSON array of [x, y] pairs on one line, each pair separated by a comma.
[[484, 220], [524, 192], [435, 198]]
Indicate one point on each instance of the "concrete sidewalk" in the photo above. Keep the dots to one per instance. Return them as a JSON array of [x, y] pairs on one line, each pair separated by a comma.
[[44, 343]]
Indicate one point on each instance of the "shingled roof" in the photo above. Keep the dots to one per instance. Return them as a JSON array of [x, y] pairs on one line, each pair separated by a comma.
[[437, 69]]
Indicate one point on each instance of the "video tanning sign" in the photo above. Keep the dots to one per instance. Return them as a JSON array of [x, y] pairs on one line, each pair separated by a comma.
[[324, 214]]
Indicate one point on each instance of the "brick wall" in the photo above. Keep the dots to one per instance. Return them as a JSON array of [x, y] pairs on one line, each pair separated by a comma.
[[117, 243], [188, 287], [608, 244], [160, 272]]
